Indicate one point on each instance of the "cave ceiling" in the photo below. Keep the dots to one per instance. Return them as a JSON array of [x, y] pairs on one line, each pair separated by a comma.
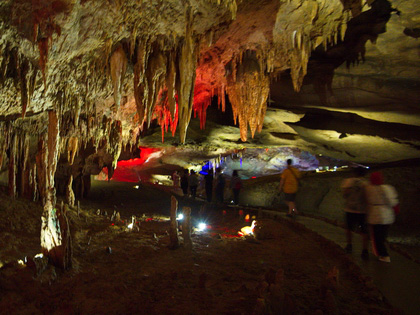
[[332, 77]]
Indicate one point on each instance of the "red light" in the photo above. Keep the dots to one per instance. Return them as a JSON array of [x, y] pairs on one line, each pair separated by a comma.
[[127, 170], [254, 177]]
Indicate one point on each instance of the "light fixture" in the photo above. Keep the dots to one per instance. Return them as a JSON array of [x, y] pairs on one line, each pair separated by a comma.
[[180, 217], [201, 227]]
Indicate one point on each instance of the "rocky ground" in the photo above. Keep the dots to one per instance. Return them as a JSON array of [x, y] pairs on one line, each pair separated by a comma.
[[121, 271]]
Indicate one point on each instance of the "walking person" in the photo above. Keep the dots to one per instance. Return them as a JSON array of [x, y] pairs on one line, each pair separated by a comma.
[[381, 200], [193, 183], [355, 206], [176, 178], [184, 182], [236, 186], [289, 184], [220, 185], [208, 183]]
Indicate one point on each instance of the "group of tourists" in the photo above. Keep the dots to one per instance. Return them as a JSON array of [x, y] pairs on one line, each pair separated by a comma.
[[213, 183], [369, 204]]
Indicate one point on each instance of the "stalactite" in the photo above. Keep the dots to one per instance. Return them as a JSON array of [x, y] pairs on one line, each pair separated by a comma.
[[12, 165], [3, 142], [118, 64], [24, 164], [186, 78], [33, 182], [202, 100], [163, 114], [72, 149], [170, 83], [309, 24], [53, 145], [43, 57], [115, 142], [41, 168], [139, 81], [155, 76], [248, 94], [23, 70]]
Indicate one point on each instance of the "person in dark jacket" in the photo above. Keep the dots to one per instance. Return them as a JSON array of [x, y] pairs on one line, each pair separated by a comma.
[[208, 182], [184, 182], [220, 185], [235, 185], [193, 183]]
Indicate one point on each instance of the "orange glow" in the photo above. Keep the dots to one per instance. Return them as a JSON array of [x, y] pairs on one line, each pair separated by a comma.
[[248, 230], [202, 100]]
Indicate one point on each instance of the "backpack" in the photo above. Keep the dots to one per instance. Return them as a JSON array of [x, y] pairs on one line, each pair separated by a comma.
[[355, 196]]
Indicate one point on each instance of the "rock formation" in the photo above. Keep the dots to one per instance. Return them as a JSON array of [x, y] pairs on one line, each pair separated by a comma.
[[294, 73]]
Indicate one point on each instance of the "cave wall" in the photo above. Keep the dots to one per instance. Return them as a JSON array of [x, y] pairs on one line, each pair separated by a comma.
[[320, 194]]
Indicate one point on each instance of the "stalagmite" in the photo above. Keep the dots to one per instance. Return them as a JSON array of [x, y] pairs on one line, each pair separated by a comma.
[[61, 255], [173, 230], [70, 198], [186, 227], [118, 67], [47, 158]]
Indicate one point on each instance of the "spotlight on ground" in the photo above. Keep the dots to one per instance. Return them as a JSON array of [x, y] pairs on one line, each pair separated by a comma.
[[201, 227]]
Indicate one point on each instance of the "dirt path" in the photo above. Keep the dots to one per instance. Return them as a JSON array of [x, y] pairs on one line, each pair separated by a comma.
[[284, 270]]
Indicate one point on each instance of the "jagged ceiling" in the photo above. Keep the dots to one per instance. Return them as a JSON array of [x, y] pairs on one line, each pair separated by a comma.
[[332, 77]]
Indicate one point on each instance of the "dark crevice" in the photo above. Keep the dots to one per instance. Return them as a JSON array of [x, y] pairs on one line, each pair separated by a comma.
[[349, 123]]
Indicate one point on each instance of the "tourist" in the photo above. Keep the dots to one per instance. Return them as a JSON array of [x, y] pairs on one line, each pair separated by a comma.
[[208, 183], [236, 186], [353, 190], [220, 185], [184, 182], [176, 179], [289, 184], [381, 200], [193, 183]]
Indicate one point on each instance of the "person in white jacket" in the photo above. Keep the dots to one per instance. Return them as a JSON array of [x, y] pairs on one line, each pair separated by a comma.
[[380, 213]]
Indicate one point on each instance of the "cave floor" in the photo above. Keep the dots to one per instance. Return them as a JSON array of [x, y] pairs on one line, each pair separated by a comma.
[[121, 271]]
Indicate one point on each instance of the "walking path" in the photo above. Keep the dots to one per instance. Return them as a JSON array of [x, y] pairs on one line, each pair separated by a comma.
[[398, 281]]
